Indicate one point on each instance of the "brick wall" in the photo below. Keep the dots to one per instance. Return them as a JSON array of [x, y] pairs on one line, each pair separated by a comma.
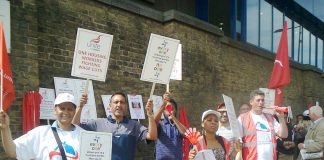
[[43, 39]]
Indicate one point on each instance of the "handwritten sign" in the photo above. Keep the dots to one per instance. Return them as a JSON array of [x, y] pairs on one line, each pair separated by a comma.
[[106, 101], [136, 108], [269, 99], [159, 59], [176, 73], [232, 116], [47, 103], [157, 102], [91, 54], [76, 88], [95, 145]]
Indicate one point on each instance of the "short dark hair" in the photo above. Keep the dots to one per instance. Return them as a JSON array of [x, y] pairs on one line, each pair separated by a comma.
[[256, 92], [118, 93], [298, 115], [174, 103]]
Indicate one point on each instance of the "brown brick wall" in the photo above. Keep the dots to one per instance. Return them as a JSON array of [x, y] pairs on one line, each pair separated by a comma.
[[43, 39]]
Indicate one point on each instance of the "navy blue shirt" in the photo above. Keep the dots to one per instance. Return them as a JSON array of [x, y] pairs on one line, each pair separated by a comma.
[[126, 134], [169, 143]]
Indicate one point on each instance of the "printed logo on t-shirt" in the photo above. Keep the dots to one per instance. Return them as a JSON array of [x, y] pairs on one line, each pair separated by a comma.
[[69, 152], [261, 127]]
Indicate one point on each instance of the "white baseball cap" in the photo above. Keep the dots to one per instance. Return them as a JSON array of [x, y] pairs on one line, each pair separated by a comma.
[[306, 113], [64, 97], [208, 112]]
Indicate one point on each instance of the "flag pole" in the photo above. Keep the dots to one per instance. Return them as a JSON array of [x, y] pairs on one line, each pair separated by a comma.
[[1, 97], [1, 74], [152, 90], [1, 105], [86, 86]]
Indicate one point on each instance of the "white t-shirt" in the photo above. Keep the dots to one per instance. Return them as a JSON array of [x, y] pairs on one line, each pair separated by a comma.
[[40, 144], [225, 132], [264, 140]]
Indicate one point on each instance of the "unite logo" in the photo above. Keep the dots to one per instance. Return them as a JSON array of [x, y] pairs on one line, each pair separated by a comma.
[[94, 44]]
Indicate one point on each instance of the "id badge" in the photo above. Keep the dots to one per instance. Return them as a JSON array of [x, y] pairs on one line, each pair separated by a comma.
[[263, 137]]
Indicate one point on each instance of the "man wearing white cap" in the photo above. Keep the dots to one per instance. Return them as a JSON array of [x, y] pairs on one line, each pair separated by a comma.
[[58, 141]]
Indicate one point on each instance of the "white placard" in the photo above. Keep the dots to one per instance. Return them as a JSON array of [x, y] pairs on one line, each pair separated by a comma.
[[91, 54], [311, 155], [76, 88], [157, 102], [269, 96], [176, 73], [5, 20], [46, 110], [232, 116], [269, 99], [95, 145], [106, 101], [205, 154], [136, 108], [159, 59]]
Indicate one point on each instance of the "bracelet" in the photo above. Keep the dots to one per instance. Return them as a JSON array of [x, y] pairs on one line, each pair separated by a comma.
[[150, 115]]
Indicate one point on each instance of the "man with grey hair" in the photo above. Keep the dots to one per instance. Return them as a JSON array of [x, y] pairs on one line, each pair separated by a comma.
[[314, 140], [259, 130]]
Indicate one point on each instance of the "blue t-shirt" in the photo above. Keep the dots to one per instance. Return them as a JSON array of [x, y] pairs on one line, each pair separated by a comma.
[[126, 134], [169, 143]]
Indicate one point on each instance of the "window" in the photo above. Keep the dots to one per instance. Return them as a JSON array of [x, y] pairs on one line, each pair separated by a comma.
[[5, 19], [265, 25], [277, 25], [312, 50], [252, 7], [305, 50], [297, 41], [289, 33], [320, 54]]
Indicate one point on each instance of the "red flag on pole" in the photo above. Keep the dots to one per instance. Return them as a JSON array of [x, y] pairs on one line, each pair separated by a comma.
[[281, 72], [7, 87], [185, 142]]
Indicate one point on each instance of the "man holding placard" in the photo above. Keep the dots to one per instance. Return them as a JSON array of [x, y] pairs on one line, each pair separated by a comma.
[[259, 130], [170, 131], [126, 132], [225, 131]]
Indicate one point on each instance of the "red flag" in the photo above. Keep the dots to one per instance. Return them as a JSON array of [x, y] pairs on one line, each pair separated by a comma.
[[185, 142], [31, 105], [281, 72], [7, 87]]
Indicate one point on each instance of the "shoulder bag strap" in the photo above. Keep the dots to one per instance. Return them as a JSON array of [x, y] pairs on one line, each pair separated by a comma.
[[59, 143]]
